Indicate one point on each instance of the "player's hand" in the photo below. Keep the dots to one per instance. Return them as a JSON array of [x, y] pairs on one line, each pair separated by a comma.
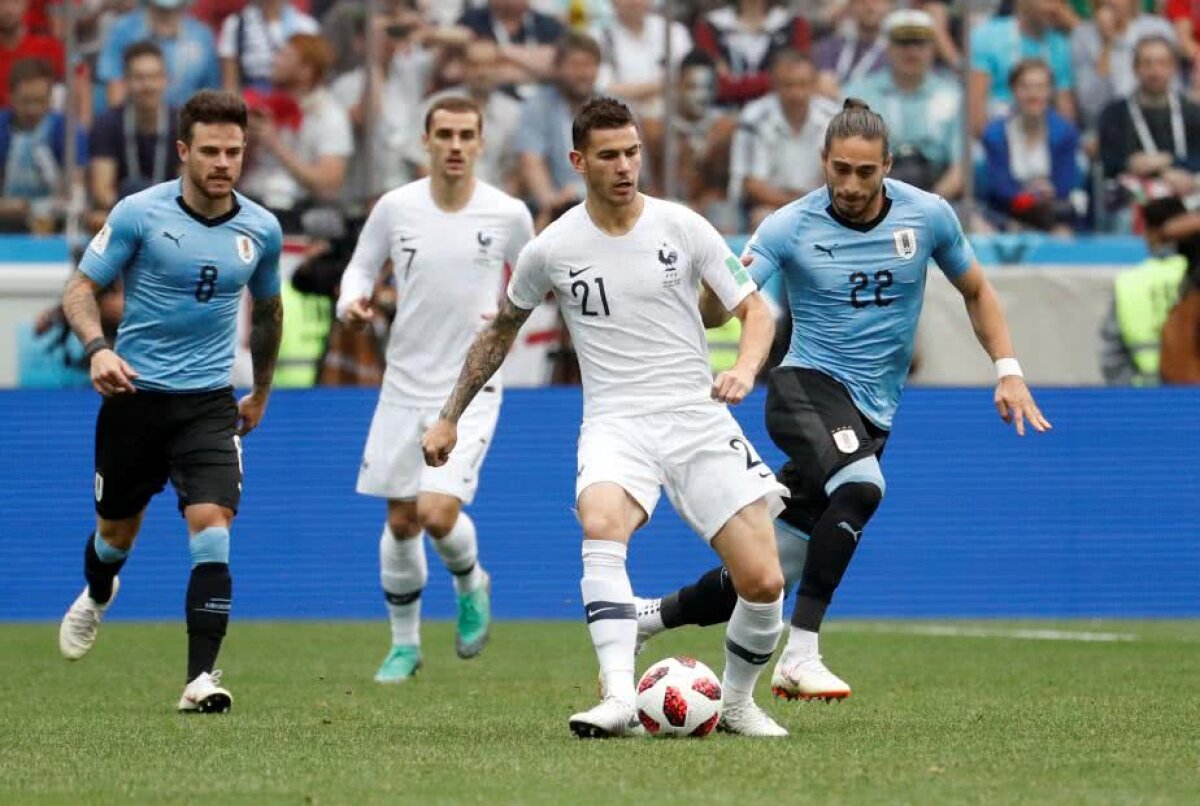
[[111, 375], [1015, 404], [438, 441], [359, 313], [732, 386], [251, 409]]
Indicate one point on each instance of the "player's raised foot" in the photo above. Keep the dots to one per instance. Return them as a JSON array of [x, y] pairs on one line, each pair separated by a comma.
[[807, 680], [77, 632], [474, 619], [745, 718], [204, 695], [400, 664], [612, 718]]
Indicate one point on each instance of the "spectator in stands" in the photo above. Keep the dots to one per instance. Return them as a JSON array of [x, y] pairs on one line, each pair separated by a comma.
[[999, 43], [501, 114], [526, 38], [187, 45], [634, 48], [858, 49], [132, 146], [742, 37], [778, 139], [923, 110], [703, 136], [1131, 335], [251, 37], [1152, 137], [1032, 168], [32, 152], [17, 43], [544, 139], [300, 137], [1184, 16], [1102, 54], [400, 79]]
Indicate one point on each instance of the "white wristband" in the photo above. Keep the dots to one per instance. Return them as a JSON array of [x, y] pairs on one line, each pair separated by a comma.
[[1008, 366]]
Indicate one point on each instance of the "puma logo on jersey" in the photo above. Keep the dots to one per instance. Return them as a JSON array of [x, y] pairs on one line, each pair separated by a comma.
[[577, 272], [853, 532], [826, 249], [175, 238]]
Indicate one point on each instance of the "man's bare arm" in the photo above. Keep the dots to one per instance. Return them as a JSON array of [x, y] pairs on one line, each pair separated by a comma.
[[266, 331], [80, 307], [486, 355]]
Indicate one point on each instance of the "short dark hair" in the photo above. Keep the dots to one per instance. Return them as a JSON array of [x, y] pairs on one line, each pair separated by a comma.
[[454, 103], [599, 113], [575, 42], [697, 58], [857, 120], [1024, 66], [211, 106], [790, 56], [1153, 39], [139, 49], [1158, 212], [32, 69]]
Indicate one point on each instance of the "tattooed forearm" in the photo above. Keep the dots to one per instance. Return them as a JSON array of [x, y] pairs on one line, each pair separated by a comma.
[[484, 358], [266, 330], [80, 307]]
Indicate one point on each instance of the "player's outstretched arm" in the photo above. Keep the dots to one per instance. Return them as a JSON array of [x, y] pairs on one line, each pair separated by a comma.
[[266, 331], [1013, 398], [486, 355], [110, 374], [758, 331]]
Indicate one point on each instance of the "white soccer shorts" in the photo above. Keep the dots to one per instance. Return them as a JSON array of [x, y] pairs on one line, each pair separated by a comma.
[[393, 466], [698, 453]]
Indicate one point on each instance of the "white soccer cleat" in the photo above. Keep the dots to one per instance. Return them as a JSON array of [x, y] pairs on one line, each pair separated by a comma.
[[204, 695], [611, 718], [77, 632], [807, 680], [745, 718]]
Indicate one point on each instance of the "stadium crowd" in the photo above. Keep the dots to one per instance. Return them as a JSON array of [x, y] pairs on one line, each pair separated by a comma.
[[1076, 112]]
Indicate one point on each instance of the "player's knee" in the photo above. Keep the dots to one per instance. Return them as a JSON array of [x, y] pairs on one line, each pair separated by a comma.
[[859, 499], [207, 516], [402, 519], [602, 525], [437, 518], [762, 583]]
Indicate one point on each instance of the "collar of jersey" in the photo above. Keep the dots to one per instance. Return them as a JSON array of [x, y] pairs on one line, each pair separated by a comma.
[[860, 226], [210, 222]]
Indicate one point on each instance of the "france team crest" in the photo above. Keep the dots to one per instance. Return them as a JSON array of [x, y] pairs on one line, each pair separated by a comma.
[[906, 242], [245, 249]]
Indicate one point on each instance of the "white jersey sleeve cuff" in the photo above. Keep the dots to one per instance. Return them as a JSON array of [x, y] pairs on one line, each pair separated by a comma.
[[516, 299]]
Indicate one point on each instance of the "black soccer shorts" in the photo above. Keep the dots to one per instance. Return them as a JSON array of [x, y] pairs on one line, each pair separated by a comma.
[[812, 418], [145, 438]]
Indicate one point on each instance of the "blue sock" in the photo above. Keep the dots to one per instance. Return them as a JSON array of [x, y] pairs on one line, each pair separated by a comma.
[[210, 545], [105, 552]]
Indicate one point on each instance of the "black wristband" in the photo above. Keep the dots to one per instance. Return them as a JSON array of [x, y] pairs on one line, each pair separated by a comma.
[[94, 346]]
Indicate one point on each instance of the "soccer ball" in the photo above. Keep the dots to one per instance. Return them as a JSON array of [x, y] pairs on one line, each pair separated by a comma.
[[679, 697]]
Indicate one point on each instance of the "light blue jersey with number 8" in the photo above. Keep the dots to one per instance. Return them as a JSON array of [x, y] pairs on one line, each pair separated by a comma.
[[184, 276], [855, 291]]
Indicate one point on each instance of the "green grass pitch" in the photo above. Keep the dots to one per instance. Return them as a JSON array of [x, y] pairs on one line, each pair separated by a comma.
[[935, 718]]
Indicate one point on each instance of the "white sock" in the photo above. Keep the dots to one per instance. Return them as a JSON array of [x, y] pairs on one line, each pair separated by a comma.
[[750, 638], [801, 647], [611, 617], [403, 572], [793, 551], [649, 616], [460, 553]]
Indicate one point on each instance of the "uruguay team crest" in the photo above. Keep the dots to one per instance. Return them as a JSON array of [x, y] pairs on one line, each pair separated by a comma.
[[245, 248], [906, 242], [845, 439]]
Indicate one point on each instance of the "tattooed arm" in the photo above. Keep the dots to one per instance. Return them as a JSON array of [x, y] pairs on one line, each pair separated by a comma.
[[110, 374], [266, 331], [486, 355]]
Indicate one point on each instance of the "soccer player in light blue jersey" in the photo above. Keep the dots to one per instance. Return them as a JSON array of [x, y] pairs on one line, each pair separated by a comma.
[[185, 249], [854, 256]]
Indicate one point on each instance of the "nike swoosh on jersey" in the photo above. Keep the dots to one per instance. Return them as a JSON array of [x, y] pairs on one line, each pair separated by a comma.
[[577, 272]]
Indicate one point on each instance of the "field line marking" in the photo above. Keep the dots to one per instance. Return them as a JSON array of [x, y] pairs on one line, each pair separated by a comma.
[[950, 631]]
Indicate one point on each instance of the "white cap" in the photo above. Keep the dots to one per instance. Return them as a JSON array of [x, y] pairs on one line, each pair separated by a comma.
[[908, 23]]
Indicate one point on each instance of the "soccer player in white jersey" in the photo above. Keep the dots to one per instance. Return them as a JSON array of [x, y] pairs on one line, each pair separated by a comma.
[[626, 270], [449, 238]]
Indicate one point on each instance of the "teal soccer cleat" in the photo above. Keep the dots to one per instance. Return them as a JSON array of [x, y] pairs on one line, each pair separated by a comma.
[[400, 664], [474, 620]]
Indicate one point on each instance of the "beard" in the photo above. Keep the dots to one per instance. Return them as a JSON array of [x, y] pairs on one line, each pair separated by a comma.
[[861, 207]]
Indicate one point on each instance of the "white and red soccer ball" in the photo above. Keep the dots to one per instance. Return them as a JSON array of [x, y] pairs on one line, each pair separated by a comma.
[[679, 697]]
